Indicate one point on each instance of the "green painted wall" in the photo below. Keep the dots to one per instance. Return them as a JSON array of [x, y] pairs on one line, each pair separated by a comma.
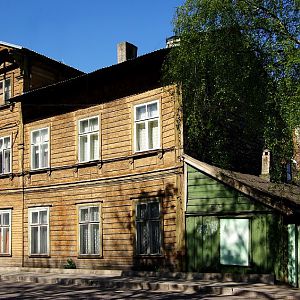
[[208, 201]]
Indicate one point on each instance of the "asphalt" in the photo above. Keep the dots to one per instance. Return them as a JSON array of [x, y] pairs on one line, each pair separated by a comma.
[[118, 280]]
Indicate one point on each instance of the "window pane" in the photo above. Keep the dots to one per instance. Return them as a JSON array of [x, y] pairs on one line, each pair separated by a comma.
[[141, 142], [44, 135], [152, 110], [6, 143], [234, 242], [5, 241], [43, 240], [141, 113], [35, 157], [83, 148], [35, 137], [141, 211], [153, 209], [84, 239], [84, 214], [94, 124], [34, 240], [5, 219], [94, 147], [142, 238], [83, 126], [95, 239], [154, 228], [44, 156], [1, 163], [7, 89], [6, 166], [34, 217], [1, 87], [153, 134], [94, 214], [43, 217]]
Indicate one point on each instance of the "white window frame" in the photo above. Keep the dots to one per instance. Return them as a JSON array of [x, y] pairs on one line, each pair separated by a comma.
[[5, 211], [229, 241], [89, 223], [3, 95], [39, 145], [146, 121], [10, 158], [88, 134], [147, 220], [39, 225]]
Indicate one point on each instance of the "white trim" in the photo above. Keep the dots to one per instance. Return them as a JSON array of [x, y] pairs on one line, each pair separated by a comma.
[[3, 211], [10, 159], [89, 229], [88, 134], [10, 45], [39, 144], [146, 121], [30, 211]]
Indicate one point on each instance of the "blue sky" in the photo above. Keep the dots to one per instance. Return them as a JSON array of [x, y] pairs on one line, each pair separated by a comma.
[[84, 34]]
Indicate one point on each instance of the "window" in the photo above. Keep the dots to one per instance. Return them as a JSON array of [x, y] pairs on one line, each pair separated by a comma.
[[234, 242], [39, 230], [148, 228], [5, 89], [89, 139], [5, 155], [40, 148], [146, 122], [5, 231], [89, 230]]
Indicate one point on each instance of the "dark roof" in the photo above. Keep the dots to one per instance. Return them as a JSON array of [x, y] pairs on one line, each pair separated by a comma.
[[107, 84], [280, 196], [41, 57]]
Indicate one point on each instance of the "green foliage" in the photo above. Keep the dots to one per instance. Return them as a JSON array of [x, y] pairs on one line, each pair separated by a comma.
[[70, 264], [237, 70]]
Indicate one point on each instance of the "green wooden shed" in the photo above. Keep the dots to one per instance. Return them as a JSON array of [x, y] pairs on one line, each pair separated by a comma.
[[239, 223]]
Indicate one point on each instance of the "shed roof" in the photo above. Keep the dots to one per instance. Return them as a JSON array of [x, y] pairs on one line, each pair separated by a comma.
[[280, 196]]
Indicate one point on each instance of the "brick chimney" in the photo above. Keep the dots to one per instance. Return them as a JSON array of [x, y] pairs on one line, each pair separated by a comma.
[[126, 51], [265, 164]]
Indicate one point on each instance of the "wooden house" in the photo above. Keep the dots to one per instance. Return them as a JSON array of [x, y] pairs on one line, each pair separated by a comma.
[[100, 177], [21, 70]]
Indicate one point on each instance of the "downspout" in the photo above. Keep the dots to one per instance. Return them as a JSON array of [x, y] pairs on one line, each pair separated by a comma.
[[21, 166]]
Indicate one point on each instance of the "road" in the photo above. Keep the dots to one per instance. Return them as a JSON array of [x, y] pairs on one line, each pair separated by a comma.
[[24, 290]]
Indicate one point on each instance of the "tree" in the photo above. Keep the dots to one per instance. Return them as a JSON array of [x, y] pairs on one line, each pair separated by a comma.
[[237, 69]]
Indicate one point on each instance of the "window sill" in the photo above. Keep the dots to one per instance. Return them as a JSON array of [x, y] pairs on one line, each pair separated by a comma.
[[39, 256], [6, 175], [89, 256], [149, 256], [5, 255]]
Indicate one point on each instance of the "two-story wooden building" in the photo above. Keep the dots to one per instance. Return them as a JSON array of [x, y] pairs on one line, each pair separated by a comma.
[[97, 173]]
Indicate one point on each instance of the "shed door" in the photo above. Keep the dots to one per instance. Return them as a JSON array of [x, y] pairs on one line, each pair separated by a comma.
[[202, 243]]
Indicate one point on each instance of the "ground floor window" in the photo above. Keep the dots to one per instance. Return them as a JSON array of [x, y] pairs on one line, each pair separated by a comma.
[[5, 231], [234, 241], [89, 230], [39, 230], [148, 228]]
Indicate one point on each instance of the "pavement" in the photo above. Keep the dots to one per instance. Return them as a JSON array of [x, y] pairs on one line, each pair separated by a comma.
[[138, 284]]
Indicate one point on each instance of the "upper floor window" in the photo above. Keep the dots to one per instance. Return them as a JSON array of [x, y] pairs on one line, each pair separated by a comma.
[[88, 139], [40, 148], [5, 155], [5, 231], [39, 230], [146, 122], [5, 89], [89, 230], [148, 228]]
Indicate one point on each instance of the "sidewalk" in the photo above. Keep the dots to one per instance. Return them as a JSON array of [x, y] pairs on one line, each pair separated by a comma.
[[116, 279]]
